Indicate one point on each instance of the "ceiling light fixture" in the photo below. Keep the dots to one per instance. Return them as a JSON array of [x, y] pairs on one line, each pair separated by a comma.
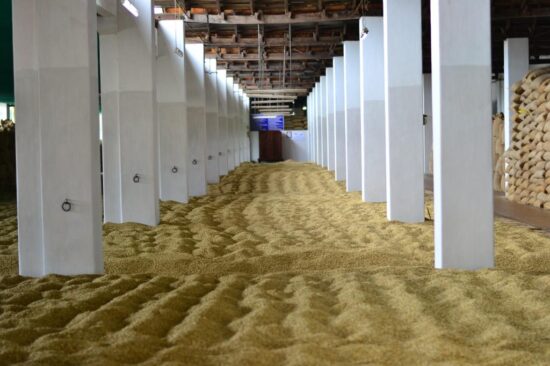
[[130, 7]]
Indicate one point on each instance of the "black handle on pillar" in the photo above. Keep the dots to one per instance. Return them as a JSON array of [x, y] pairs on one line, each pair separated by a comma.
[[175, 169], [66, 206], [136, 178]]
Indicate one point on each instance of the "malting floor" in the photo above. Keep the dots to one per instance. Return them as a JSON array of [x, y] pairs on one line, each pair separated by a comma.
[[278, 265]]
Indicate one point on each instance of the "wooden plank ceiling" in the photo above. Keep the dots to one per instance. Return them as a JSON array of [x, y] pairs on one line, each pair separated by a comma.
[[277, 44]]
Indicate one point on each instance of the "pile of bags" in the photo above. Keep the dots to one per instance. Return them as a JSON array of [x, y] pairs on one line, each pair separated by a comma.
[[528, 159]]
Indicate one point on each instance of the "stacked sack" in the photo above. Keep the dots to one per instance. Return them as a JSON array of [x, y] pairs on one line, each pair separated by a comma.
[[528, 159], [296, 122], [498, 152]]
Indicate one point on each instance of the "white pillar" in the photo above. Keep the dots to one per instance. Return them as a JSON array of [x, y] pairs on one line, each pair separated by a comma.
[[246, 129], [500, 94], [55, 67], [311, 124], [324, 118], [339, 119], [516, 66], [373, 135], [212, 123], [319, 118], [130, 129], [255, 146], [236, 125], [494, 96], [235, 121], [352, 116], [428, 127], [171, 112], [316, 122], [404, 123], [315, 125], [236, 131], [330, 118], [240, 128], [230, 118], [196, 119], [309, 127], [222, 115], [463, 192]]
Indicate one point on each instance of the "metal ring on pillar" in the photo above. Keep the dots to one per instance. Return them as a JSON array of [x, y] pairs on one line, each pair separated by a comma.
[[136, 178], [210, 157], [175, 169], [66, 206], [195, 162]]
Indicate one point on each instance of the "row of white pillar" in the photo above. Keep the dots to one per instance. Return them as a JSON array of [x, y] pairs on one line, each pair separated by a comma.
[[172, 123], [367, 122]]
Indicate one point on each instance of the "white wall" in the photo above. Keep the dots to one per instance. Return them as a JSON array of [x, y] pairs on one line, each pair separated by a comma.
[[295, 145], [255, 145]]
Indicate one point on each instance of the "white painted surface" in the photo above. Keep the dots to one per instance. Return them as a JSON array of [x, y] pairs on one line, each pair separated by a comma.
[[315, 124], [352, 96], [130, 127], [255, 145], [240, 126], [196, 119], [230, 127], [212, 123], [516, 66], [57, 138], [500, 96], [339, 119], [318, 132], [324, 118], [310, 129], [171, 111], [311, 126], [295, 145], [246, 129], [463, 192], [222, 115], [428, 127], [236, 125], [106, 8], [373, 136], [329, 103], [403, 84], [494, 95]]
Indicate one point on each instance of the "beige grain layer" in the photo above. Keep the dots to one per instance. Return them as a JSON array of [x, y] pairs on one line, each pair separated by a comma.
[[278, 265]]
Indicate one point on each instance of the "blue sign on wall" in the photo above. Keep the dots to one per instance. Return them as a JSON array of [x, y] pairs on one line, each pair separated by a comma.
[[275, 123]]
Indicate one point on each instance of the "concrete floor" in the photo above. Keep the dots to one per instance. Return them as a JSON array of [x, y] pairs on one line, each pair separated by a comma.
[[536, 217]]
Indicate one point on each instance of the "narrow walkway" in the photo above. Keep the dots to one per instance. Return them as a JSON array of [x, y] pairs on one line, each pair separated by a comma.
[[532, 216]]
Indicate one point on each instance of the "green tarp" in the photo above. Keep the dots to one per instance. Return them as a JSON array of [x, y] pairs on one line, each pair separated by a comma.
[[6, 53]]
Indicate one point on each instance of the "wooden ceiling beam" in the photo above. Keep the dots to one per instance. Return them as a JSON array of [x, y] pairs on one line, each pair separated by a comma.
[[236, 42], [281, 19], [273, 56]]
